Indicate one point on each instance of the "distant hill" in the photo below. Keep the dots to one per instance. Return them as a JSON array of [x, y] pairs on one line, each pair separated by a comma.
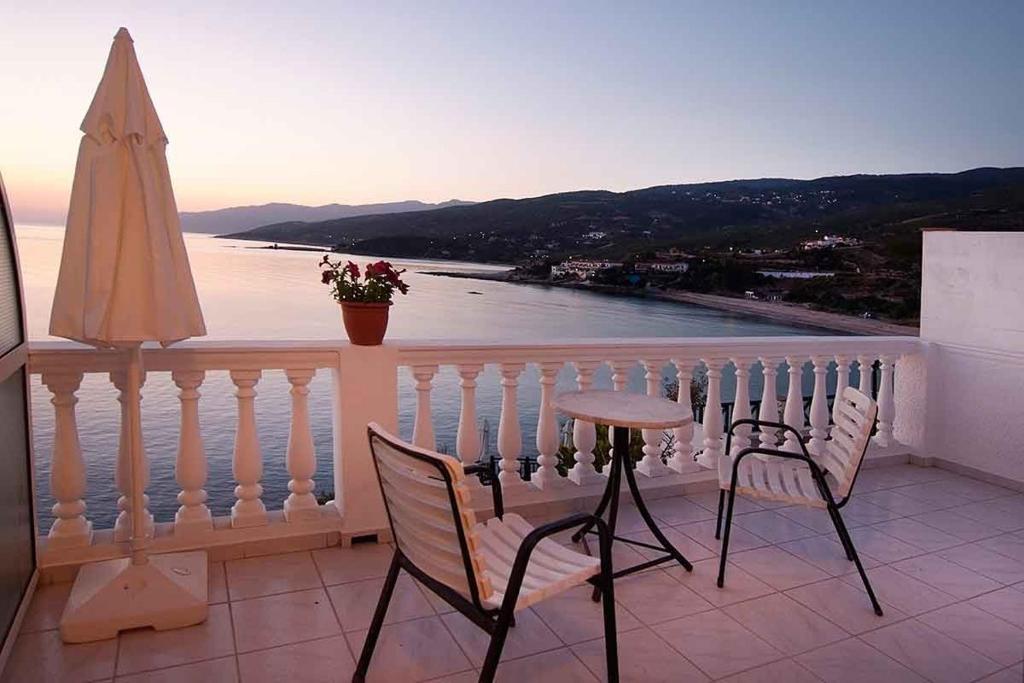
[[240, 218], [768, 212]]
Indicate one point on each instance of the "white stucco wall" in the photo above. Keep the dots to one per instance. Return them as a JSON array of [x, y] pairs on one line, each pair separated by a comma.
[[972, 316]]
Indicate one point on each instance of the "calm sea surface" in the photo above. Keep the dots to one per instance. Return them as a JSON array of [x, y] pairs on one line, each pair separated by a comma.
[[250, 293]]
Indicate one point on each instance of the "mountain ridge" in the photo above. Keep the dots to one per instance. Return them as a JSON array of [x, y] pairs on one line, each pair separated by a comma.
[[241, 218]]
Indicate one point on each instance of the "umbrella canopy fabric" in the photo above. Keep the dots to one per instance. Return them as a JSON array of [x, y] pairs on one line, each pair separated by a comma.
[[124, 273]]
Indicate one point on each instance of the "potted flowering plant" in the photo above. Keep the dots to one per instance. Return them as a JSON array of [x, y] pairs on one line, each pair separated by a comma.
[[364, 297]]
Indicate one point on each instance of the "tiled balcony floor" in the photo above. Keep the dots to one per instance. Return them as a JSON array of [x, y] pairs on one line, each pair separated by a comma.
[[944, 552]]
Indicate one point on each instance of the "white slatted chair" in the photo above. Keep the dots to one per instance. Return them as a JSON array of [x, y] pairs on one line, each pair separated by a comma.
[[800, 478], [487, 571]]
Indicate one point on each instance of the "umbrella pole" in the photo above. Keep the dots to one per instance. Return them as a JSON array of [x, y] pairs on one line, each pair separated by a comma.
[[135, 451]]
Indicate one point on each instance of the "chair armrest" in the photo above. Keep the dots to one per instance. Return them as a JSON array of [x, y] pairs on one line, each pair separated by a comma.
[[488, 478], [515, 580], [765, 423]]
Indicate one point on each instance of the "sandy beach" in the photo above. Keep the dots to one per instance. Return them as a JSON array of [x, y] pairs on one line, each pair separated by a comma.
[[779, 312]]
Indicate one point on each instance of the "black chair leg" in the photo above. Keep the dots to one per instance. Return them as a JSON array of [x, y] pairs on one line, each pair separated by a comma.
[[844, 534], [378, 621], [718, 522], [728, 527], [501, 627]]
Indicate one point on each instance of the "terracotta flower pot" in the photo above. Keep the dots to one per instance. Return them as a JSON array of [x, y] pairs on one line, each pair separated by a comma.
[[365, 323]]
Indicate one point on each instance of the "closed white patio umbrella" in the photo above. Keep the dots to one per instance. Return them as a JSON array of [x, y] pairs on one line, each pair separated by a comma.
[[124, 280]]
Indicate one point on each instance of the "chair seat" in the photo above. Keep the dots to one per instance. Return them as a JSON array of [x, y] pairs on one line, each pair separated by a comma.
[[553, 568], [777, 479]]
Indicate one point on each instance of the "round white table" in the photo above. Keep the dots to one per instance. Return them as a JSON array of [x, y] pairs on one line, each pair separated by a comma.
[[626, 411]]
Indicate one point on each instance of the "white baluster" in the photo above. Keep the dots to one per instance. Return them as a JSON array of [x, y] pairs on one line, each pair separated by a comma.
[[247, 461], [547, 431], [741, 406], [584, 434], [300, 505], [842, 381], [467, 439], [651, 463], [769, 411], [793, 415], [190, 468], [423, 427], [620, 380], [886, 404], [71, 528], [864, 366], [712, 415], [510, 436], [819, 406], [122, 473], [682, 460]]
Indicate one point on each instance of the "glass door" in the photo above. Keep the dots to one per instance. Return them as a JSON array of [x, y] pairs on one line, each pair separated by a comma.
[[17, 533]]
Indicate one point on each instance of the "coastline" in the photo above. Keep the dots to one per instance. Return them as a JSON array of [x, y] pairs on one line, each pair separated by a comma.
[[778, 312]]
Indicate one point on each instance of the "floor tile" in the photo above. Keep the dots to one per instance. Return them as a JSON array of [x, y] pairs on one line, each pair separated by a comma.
[[691, 549], [258, 576], [575, 617], [739, 584], [949, 577], [361, 561], [964, 528], [411, 651], [355, 602], [558, 666], [994, 565], [906, 593], [826, 553], [1014, 674], [717, 644], [859, 512], [1000, 513], [222, 670], [42, 656], [282, 619], [144, 649], [46, 607], [942, 494], [654, 597], [782, 671], [988, 634], [777, 568], [314, 661], [881, 546], [894, 501], [643, 658], [529, 636], [217, 587], [1010, 545], [739, 539], [785, 623], [709, 501], [934, 655], [1007, 604], [918, 534], [771, 526], [845, 604], [812, 518], [852, 661], [678, 510]]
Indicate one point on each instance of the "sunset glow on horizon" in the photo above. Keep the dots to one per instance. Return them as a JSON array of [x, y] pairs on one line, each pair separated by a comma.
[[314, 103]]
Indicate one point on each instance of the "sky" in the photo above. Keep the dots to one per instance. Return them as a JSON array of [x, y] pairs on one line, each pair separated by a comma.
[[356, 102]]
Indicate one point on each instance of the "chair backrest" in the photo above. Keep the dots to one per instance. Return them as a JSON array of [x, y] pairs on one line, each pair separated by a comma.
[[854, 419], [430, 511]]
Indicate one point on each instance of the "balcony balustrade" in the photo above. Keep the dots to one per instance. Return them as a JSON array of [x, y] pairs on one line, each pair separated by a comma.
[[366, 384]]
